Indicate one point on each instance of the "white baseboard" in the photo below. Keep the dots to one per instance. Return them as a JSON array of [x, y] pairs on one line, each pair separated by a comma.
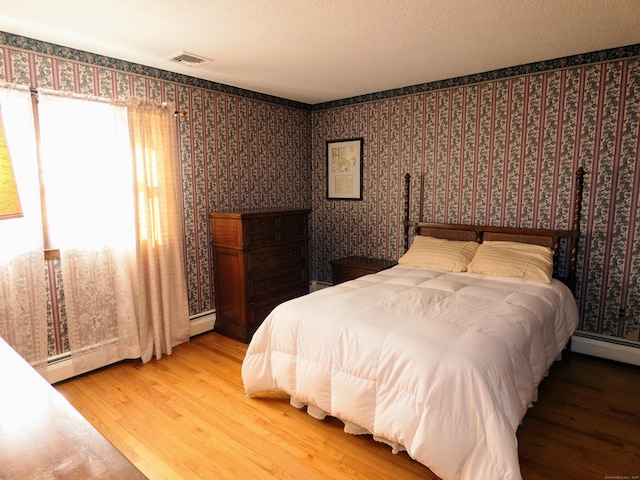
[[202, 323], [59, 371], [63, 369], [595, 345], [317, 285], [610, 348]]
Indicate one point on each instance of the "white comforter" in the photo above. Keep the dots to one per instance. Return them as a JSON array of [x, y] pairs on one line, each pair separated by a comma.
[[443, 364]]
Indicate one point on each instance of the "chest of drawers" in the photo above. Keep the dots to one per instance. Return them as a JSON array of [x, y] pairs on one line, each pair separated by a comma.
[[260, 260]]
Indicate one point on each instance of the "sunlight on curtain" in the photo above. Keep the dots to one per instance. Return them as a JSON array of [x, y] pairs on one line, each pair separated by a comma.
[[22, 270], [161, 299], [87, 171], [86, 164]]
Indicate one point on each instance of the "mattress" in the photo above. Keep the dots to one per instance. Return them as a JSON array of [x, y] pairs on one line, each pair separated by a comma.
[[441, 364]]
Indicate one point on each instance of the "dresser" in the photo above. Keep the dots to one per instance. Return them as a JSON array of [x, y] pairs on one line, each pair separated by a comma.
[[260, 259], [350, 268]]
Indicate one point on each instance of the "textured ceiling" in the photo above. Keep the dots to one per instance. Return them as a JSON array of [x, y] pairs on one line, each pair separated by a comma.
[[317, 51]]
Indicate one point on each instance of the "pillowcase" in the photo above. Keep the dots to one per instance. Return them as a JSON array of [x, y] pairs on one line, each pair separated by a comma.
[[513, 259], [430, 252]]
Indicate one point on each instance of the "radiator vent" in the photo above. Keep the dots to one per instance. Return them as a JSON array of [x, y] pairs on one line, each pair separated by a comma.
[[189, 59]]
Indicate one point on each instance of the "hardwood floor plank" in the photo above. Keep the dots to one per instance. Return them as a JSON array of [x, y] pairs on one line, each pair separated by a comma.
[[186, 417], [585, 423]]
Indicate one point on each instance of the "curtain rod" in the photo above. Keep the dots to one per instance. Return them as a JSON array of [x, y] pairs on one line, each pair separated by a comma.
[[182, 112]]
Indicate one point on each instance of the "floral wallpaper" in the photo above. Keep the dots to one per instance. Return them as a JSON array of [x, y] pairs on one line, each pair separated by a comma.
[[239, 149], [500, 152], [496, 148]]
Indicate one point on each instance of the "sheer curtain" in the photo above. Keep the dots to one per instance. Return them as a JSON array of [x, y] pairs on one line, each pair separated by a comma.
[[112, 201], [160, 280], [22, 271], [87, 173]]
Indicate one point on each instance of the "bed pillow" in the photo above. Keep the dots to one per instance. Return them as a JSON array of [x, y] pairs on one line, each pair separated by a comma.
[[430, 252], [513, 259]]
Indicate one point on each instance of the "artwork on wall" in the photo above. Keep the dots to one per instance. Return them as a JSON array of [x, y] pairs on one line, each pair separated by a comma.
[[344, 169]]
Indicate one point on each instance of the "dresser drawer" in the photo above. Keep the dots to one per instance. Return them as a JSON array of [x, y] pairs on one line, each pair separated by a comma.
[[260, 309], [257, 238], [276, 257], [268, 230], [270, 284], [293, 227], [260, 231], [261, 223]]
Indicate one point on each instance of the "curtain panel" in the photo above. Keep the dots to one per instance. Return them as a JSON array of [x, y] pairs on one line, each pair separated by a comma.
[[22, 273], [161, 289], [86, 172], [108, 175]]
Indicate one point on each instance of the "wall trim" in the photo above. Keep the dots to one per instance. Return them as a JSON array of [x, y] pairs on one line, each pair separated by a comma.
[[41, 47], [603, 346], [61, 368], [571, 61], [201, 323], [315, 285], [45, 48]]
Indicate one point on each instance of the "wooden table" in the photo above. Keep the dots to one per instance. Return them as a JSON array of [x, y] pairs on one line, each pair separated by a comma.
[[42, 436]]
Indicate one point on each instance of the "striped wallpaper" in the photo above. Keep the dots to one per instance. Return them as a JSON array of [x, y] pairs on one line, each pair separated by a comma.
[[501, 152], [499, 148], [239, 149]]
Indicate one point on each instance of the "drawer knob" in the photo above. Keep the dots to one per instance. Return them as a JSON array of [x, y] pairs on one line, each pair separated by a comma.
[[263, 258]]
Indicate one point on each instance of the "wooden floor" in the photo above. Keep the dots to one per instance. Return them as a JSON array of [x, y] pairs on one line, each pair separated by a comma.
[[186, 417]]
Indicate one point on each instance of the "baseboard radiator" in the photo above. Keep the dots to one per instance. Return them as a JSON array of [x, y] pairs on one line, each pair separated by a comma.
[[611, 348], [61, 367], [603, 346]]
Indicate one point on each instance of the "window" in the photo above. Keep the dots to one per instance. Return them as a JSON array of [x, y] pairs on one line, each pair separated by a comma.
[[107, 183], [87, 174]]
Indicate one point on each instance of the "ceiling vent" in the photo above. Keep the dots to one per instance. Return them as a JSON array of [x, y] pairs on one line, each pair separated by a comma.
[[188, 59]]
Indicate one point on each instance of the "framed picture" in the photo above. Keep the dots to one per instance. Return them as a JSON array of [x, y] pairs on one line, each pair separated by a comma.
[[344, 169]]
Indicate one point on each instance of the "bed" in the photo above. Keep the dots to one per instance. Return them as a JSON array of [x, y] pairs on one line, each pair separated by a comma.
[[440, 355]]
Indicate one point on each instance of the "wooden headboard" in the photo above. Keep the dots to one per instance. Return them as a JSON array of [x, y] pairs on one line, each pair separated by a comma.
[[560, 241]]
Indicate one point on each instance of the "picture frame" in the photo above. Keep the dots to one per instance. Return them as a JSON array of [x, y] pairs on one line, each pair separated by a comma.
[[344, 169]]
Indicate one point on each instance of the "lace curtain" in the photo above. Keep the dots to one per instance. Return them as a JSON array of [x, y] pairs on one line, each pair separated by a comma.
[[87, 173], [22, 274], [113, 210]]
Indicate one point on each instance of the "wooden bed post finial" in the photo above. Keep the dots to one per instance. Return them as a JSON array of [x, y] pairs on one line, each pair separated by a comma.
[[577, 201], [577, 213], [407, 189]]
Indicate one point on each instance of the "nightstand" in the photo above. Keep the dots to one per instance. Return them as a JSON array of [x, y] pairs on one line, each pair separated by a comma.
[[350, 268]]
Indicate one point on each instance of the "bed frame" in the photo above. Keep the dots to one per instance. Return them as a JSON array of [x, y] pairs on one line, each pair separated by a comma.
[[564, 243]]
